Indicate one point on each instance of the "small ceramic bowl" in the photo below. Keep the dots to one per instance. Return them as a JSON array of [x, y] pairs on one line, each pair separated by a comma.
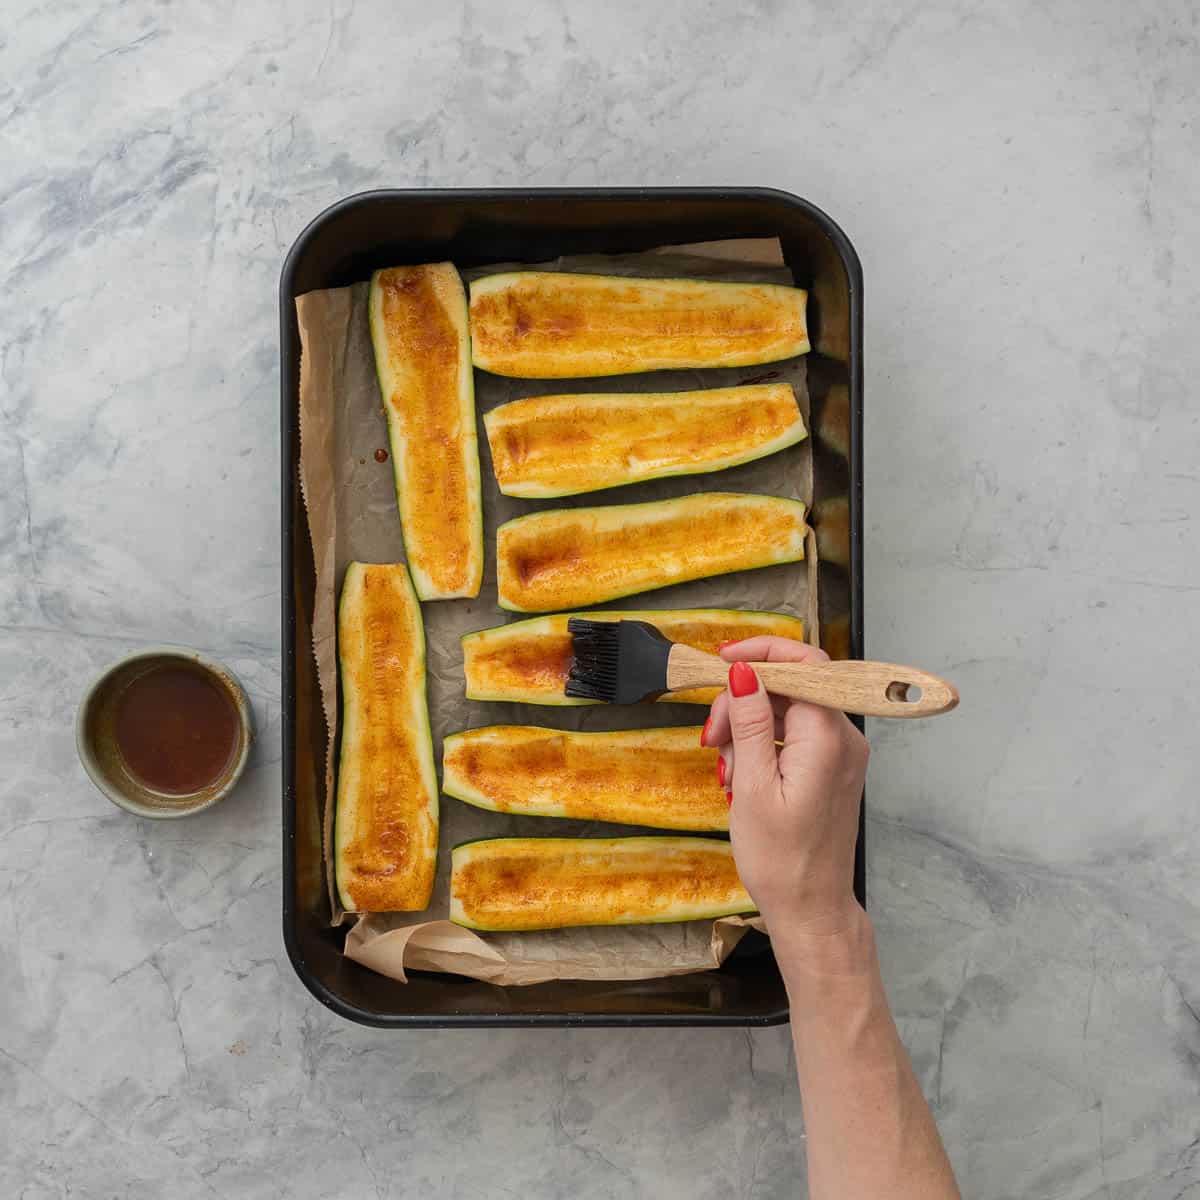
[[96, 742]]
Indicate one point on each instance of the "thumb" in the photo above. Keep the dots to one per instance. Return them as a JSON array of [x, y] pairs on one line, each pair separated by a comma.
[[752, 720]]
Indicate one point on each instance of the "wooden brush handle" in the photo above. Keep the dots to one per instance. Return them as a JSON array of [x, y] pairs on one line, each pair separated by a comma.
[[873, 689]]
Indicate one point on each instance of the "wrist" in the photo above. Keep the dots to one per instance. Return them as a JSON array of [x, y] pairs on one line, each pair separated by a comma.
[[822, 913], [825, 955]]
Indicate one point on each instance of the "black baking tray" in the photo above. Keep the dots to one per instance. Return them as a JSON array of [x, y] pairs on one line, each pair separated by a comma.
[[472, 227]]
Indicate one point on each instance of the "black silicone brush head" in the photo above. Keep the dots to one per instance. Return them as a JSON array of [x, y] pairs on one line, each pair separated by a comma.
[[618, 662]]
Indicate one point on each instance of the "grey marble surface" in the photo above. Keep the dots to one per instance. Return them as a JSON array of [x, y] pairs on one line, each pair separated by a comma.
[[1020, 180]]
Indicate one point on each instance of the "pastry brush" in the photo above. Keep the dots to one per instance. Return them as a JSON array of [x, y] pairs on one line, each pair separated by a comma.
[[623, 662]]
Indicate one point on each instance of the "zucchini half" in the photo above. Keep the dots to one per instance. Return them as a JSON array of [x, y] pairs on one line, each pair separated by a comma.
[[567, 557], [418, 319], [386, 823], [557, 325], [528, 661], [662, 778], [562, 445], [515, 884]]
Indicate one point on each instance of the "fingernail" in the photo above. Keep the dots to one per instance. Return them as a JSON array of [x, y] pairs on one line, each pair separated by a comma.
[[704, 732], [720, 771], [742, 680], [729, 799], [731, 642]]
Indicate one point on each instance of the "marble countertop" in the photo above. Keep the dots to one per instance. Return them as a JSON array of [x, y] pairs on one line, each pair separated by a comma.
[[1020, 180]]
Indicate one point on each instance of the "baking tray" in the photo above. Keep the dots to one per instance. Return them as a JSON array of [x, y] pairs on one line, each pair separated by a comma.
[[474, 227]]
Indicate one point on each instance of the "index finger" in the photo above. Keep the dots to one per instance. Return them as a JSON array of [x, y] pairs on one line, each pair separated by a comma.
[[767, 647]]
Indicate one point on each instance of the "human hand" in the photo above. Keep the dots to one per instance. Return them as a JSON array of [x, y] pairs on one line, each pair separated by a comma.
[[794, 820], [794, 808]]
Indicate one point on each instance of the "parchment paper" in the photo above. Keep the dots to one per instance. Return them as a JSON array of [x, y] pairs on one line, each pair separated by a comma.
[[352, 515]]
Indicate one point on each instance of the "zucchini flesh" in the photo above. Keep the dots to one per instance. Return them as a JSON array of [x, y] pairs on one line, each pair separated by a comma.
[[556, 325], [662, 778], [528, 661], [418, 319], [386, 822], [566, 557], [515, 884], [562, 445]]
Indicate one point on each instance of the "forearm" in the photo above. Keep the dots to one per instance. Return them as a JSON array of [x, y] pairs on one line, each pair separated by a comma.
[[869, 1131]]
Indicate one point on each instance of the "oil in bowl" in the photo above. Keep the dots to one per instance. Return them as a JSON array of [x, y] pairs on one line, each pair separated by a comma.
[[175, 728], [165, 733]]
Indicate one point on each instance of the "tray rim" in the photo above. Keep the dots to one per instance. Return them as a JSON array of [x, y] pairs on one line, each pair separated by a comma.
[[289, 480]]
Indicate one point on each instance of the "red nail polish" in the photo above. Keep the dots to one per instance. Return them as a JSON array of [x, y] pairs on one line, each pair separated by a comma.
[[720, 772], [729, 799], [704, 732], [742, 680]]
